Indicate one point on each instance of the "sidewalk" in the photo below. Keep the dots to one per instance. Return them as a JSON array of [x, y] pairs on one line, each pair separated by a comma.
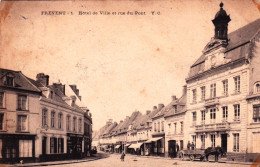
[[221, 160], [99, 156]]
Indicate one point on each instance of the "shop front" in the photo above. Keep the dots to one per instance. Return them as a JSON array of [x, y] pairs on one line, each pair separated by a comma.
[[17, 147], [154, 146], [74, 145]]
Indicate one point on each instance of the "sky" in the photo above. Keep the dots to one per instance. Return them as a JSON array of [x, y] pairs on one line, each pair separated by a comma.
[[120, 63]]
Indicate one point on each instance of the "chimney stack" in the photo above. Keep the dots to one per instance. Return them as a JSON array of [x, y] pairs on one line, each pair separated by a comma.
[[60, 87], [43, 79], [160, 106], [174, 98], [184, 90], [148, 112], [154, 107]]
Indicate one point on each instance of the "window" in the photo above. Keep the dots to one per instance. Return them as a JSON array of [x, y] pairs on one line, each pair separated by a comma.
[[194, 118], [181, 127], [213, 90], [202, 138], [22, 102], [22, 123], [256, 113], [225, 87], [257, 88], [60, 121], [158, 126], [169, 128], [53, 119], [213, 140], [237, 84], [1, 99], [155, 127], [175, 128], [194, 95], [236, 142], [60, 145], [162, 126], [236, 112], [74, 123], [203, 93], [225, 113], [68, 122], [194, 140], [212, 115], [203, 116], [9, 80], [53, 145], [44, 117], [51, 94], [1, 122], [25, 148], [80, 125]]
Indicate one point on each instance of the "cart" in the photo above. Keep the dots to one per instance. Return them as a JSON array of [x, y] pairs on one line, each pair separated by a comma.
[[192, 154]]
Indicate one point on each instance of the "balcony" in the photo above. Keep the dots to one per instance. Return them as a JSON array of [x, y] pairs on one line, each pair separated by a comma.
[[211, 102], [213, 127]]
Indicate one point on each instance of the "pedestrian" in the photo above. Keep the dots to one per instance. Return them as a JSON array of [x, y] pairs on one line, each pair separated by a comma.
[[122, 156], [192, 146], [188, 145], [177, 147]]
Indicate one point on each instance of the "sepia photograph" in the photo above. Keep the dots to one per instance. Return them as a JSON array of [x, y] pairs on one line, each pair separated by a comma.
[[105, 83]]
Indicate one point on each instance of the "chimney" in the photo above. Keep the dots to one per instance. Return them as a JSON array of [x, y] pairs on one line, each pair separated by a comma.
[[154, 107], [121, 121], [184, 90], [160, 106], [43, 79], [174, 98], [148, 112], [60, 87], [77, 92]]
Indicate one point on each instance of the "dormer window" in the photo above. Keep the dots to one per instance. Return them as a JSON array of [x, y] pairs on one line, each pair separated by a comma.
[[51, 94], [73, 103], [9, 80], [257, 87]]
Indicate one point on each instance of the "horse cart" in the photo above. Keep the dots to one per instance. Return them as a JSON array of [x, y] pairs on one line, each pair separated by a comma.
[[193, 154], [201, 154]]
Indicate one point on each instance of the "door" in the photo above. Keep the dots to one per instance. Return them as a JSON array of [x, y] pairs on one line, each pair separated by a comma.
[[44, 141], [172, 148], [224, 142]]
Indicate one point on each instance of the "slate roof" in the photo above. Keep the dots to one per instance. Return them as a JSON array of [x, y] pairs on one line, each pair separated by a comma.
[[110, 128], [20, 80], [180, 102], [127, 122], [237, 47], [165, 109]]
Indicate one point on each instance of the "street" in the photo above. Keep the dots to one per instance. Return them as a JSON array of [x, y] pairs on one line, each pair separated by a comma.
[[138, 161]]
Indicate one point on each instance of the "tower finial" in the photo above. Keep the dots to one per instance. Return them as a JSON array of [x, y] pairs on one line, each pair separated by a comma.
[[221, 4]]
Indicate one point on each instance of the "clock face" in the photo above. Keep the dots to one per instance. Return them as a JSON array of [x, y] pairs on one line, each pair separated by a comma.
[[213, 60]]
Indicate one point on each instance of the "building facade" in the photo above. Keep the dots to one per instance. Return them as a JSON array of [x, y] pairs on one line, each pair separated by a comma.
[[19, 105], [221, 103]]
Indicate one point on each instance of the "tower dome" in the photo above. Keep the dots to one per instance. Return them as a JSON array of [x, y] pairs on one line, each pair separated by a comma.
[[220, 22]]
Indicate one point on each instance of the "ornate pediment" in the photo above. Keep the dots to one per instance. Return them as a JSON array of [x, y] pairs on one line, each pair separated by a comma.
[[214, 44]]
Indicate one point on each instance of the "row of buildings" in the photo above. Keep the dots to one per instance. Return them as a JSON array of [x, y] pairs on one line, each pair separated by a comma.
[[41, 122], [220, 105]]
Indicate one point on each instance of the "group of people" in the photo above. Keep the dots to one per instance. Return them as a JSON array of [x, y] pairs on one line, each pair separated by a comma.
[[190, 146]]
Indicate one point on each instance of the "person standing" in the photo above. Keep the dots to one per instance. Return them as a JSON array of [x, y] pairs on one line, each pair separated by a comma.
[[122, 156], [188, 145], [192, 146]]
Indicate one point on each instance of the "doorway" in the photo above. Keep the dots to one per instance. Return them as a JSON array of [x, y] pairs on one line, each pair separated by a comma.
[[224, 142], [44, 142], [172, 148]]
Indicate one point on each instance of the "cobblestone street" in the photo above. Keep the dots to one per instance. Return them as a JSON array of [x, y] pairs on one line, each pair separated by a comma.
[[135, 161]]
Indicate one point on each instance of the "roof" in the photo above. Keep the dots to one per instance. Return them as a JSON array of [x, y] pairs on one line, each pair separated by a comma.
[[166, 109], [181, 106], [237, 46], [130, 120], [20, 80]]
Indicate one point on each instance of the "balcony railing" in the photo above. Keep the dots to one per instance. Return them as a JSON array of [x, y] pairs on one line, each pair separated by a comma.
[[211, 101], [212, 127]]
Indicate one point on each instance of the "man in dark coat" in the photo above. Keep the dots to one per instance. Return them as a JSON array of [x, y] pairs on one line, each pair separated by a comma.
[[188, 145], [122, 156]]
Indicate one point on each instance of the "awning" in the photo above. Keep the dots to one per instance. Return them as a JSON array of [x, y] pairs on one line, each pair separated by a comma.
[[153, 139], [127, 145], [118, 146], [135, 146]]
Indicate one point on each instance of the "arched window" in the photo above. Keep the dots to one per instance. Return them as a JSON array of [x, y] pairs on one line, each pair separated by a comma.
[[257, 87]]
